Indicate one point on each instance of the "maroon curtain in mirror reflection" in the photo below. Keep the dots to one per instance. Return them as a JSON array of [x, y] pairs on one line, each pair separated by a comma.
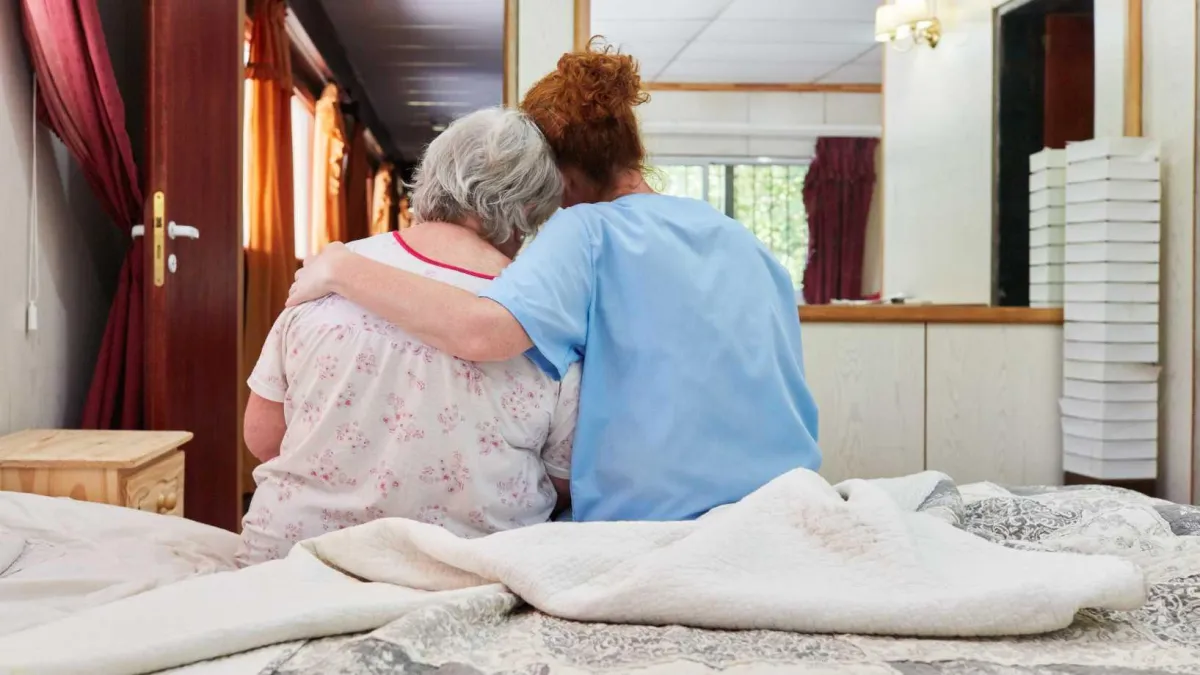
[[837, 199], [79, 101]]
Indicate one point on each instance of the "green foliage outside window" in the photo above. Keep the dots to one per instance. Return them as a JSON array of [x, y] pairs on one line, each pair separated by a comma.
[[766, 198]]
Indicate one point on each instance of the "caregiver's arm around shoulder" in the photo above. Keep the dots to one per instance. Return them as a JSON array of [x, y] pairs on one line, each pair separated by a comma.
[[541, 300], [444, 316]]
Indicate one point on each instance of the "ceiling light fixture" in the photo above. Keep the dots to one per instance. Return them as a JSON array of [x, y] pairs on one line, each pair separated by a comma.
[[910, 22]]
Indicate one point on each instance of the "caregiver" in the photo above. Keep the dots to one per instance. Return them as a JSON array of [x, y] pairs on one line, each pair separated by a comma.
[[693, 390]]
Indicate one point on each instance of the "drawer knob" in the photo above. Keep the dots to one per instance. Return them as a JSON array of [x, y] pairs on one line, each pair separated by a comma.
[[167, 503]]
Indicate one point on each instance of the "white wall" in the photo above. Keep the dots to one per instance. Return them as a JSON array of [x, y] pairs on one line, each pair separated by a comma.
[[939, 147], [938, 177], [1110, 24], [937, 166], [1169, 115], [44, 375], [753, 124], [545, 31]]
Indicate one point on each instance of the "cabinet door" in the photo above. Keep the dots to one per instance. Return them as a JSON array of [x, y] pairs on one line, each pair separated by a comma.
[[869, 384], [992, 403]]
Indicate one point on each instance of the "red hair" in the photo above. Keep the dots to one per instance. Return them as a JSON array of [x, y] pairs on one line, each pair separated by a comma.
[[585, 110]]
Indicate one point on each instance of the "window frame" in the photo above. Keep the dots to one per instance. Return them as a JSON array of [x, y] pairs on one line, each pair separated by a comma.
[[706, 161], [302, 231]]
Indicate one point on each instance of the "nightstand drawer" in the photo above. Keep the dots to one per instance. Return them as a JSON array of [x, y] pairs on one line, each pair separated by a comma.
[[157, 488]]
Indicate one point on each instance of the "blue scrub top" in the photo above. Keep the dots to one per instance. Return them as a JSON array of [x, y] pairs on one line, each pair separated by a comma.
[[693, 391]]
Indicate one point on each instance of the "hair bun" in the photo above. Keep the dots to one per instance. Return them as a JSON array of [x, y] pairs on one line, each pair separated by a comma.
[[605, 83]]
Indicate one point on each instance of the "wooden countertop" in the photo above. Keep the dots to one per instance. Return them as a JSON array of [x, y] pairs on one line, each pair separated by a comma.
[[930, 314]]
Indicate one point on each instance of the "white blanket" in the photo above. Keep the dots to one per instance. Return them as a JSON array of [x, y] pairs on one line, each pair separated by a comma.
[[797, 555], [64, 555]]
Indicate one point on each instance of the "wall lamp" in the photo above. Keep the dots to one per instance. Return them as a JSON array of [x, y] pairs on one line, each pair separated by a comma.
[[907, 21]]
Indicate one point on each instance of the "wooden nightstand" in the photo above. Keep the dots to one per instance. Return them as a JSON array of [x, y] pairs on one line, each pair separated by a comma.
[[138, 469]]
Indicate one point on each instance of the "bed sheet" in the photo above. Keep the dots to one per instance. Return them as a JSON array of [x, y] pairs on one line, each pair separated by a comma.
[[60, 555], [496, 635]]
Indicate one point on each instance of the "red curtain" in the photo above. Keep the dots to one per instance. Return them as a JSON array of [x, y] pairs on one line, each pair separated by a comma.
[[837, 199], [79, 101]]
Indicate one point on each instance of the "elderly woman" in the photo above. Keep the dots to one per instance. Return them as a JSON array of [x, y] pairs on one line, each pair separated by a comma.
[[356, 419], [693, 381]]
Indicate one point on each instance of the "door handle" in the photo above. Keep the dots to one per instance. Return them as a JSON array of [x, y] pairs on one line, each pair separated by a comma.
[[175, 230]]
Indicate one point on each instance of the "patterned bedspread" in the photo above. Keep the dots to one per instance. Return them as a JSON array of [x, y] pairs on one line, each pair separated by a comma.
[[499, 636]]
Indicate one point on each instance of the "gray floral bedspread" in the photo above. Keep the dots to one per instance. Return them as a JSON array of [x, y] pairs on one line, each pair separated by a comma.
[[497, 635]]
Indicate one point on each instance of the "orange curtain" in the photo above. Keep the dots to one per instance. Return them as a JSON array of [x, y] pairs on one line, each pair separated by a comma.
[[402, 213], [358, 172], [329, 154], [271, 250], [381, 199]]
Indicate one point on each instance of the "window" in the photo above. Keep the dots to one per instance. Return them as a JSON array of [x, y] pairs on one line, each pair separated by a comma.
[[303, 118], [302, 159], [766, 198]]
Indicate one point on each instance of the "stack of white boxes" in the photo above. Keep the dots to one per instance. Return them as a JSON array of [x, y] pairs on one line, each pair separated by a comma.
[[1110, 348], [1047, 220]]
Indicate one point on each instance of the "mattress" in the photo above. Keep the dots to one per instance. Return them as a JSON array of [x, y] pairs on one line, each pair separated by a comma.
[[60, 555], [490, 636]]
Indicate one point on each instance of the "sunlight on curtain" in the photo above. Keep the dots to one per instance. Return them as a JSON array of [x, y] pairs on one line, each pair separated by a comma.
[[268, 196], [302, 165], [247, 148], [329, 153], [381, 199]]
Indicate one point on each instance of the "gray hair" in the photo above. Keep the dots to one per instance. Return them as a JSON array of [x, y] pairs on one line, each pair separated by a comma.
[[493, 164]]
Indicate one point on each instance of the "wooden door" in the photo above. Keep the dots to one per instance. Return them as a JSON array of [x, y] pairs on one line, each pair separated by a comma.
[[1069, 113], [193, 307]]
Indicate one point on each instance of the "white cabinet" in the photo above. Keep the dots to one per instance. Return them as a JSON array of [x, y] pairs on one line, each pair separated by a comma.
[[868, 380], [978, 402], [992, 403]]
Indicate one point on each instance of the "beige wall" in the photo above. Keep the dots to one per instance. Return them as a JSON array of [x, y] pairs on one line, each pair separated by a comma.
[[44, 375], [937, 167]]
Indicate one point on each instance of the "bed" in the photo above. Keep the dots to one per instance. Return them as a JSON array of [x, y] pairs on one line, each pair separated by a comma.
[[496, 635], [59, 556]]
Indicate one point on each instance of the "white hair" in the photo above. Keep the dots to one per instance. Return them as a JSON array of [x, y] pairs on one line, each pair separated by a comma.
[[493, 164]]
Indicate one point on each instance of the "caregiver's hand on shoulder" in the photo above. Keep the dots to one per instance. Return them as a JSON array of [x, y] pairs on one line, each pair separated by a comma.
[[315, 279]]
